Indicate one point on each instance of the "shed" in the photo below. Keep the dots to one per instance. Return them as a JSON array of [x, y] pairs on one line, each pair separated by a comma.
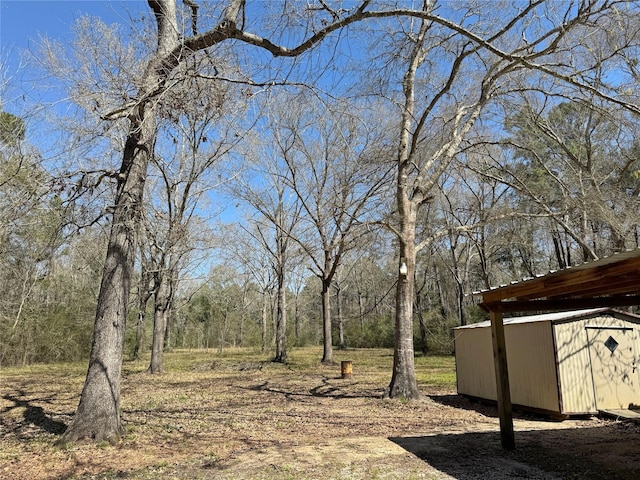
[[609, 282], [565, 363]]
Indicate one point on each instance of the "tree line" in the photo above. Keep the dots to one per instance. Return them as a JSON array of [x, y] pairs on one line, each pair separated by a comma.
[[236, 175]]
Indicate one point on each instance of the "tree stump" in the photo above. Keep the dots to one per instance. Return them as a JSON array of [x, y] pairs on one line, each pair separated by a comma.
[[347, 368]]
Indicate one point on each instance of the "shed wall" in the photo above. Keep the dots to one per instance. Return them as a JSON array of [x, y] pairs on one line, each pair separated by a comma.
[[574, 367], [574, 362], [475, 371], [532, 365], [530, 360]]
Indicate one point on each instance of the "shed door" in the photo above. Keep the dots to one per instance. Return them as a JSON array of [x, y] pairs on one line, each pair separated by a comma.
[[613, 367]]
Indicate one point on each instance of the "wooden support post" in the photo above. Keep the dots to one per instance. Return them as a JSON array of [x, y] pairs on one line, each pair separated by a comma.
[[505, 411]]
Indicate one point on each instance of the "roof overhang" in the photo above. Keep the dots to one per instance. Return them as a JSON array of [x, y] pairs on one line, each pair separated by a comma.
[[609, 282]]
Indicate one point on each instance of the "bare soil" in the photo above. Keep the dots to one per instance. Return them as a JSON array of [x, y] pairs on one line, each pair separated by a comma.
[[245, 419]]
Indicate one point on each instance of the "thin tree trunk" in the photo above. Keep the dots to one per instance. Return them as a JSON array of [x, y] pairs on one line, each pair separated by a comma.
[[263, 322], [168, 327], [222, 335], [327, 356], [361, 312], [462, 318], [296, 319], [423, 325], [341, 343], [441, 297], [281, 320], [558, 250], [160, 316], [240, 341], [139, 329], [144, 294]]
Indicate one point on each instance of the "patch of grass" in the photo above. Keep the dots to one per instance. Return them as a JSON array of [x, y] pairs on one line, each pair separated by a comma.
[[437, 371], [437, 379], [447, 362], [49, 369]]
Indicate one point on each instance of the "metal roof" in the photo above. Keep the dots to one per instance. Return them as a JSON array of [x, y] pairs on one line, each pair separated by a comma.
[[608, 282], [546, 317]]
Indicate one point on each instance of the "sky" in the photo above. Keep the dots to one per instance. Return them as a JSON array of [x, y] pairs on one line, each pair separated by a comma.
[[22, 21]]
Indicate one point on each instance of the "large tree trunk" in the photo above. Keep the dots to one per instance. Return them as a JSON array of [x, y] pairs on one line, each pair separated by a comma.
[[98, 414], [403, 381], [327, 356], [409, 197], [157, 345]]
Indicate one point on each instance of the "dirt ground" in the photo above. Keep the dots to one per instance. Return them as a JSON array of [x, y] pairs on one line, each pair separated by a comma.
[[257, 420]]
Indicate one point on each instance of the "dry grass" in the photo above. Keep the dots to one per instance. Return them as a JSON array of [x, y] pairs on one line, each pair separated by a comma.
[[240, 416], [207, 410]]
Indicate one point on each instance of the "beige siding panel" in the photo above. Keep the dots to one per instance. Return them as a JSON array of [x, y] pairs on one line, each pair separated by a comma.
[[532, 365], [550, 362], [614, 367], [530, 360], [574, 367], [475, 370], [574, 363]]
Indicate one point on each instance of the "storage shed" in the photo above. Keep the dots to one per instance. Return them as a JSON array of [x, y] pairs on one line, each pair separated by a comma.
[[609, 282], [566, 363]]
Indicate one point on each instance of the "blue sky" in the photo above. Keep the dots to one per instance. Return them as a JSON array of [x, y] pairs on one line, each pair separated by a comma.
[[21, 24], [21, 21]]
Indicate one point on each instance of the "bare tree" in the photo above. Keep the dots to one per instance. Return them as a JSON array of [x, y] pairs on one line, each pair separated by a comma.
[[195, 138], [574, 161], [489, 47], [459, 71], [98, 413], [332, 160], [245, 250], [272, 227]]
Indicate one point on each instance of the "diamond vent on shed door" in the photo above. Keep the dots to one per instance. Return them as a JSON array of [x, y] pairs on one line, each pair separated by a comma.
[[611, 344]]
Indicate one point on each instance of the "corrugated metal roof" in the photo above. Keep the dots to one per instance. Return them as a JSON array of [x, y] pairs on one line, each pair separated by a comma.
[[611, 281], [616, 257]]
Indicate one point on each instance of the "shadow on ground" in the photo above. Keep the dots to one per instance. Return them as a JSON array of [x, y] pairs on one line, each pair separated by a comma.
[[32, 416], [610, 452], [486, 407], [329, 388]]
